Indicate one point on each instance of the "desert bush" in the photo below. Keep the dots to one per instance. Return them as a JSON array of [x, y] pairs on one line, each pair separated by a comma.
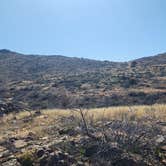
[[27, 158]]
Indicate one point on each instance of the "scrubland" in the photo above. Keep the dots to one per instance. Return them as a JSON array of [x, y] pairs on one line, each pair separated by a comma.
[[129, 135]]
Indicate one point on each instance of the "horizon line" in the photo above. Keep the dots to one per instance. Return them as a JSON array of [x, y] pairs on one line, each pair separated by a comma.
[[49, 55]]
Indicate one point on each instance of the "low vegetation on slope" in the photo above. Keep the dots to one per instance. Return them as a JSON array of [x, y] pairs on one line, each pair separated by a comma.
[[117, 136], [47, 81]]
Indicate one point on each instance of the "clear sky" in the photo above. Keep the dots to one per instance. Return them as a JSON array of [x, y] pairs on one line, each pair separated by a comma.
[[117, 30]]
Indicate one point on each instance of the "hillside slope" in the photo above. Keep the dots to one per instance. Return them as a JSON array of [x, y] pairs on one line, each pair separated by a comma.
[[58, 81]]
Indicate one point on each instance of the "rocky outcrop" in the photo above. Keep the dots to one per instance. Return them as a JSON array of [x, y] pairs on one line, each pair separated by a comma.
[[6, 108]]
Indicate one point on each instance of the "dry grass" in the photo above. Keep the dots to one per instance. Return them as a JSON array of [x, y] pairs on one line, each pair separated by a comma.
[[130, 113], [14, 124], [157, 111]]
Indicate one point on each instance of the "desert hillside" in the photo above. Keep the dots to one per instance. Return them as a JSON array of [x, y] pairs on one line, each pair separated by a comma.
[[40, 82], [55, 111]]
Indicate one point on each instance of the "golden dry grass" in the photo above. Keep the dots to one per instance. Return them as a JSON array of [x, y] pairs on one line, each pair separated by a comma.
[[137, 112], [14, 125]]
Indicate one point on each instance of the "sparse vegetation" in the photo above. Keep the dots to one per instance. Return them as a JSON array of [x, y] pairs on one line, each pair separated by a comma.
[[61, 115], [129, 135], [43, 81]]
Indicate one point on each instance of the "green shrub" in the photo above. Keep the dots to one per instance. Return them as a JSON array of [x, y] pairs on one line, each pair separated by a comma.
[[27, 159]]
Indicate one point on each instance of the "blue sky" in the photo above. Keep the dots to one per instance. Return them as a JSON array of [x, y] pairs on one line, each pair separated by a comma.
[[116, 30]]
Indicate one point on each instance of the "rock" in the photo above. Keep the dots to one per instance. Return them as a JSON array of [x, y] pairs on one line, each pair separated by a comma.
[[20, 144], [11, 157], [44, 138], [61, 155], [62, 163], [68, 131], [159, 139], [27, 119], [50, 158], [163, 148], [71, 159], [114, 144], [40, 153], [12, 139], [5, 153], [161, 123], [6, 108], [12, 162], [31, 136], [37, 113], [163, 129], [2, 149], [49, 150], [64, 138], [78, 129], [80, 163], [164, 161]]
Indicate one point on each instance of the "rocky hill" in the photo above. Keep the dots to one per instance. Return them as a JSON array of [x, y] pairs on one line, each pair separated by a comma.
[[56, 81]]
